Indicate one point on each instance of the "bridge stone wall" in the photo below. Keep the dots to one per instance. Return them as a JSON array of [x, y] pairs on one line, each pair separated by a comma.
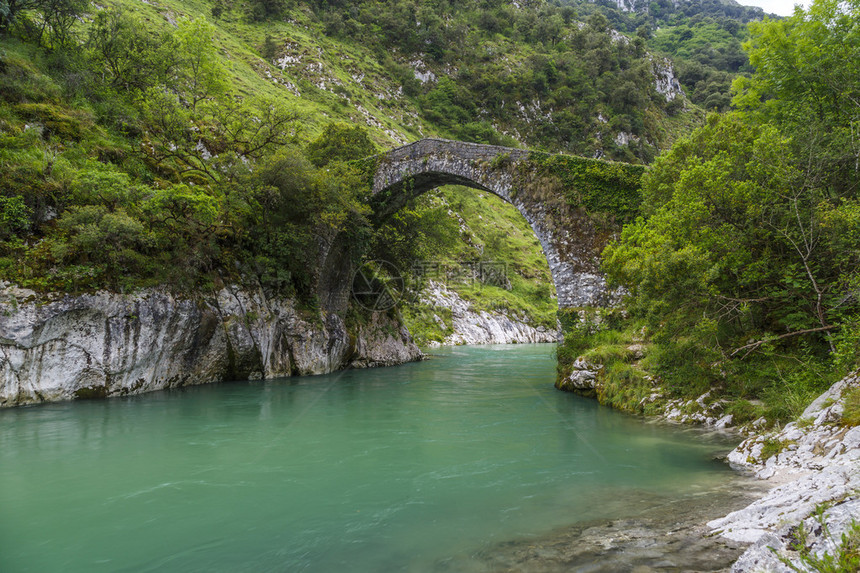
[[569, 239]]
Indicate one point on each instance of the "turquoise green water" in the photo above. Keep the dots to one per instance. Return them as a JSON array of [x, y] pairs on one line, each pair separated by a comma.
[[396, 469]]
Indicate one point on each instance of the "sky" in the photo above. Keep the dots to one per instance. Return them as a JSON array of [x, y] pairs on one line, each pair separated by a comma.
[[780, 7]]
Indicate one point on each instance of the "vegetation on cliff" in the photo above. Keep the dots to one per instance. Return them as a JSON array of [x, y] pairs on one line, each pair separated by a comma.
[[744, 272], [178, 182]]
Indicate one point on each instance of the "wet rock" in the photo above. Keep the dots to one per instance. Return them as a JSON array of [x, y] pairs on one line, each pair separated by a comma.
[[382, 342], [654, 536], [698, 411], [583, 376]]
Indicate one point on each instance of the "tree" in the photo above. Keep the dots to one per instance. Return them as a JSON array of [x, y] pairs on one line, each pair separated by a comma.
[[52, 22], [132, 58], [807, 79], [736, 238], [9, 10], [208, 141], [58, 19], [15, 217], [750, 240], [266, 10], [299, 203], [340, 142], [201, 74]]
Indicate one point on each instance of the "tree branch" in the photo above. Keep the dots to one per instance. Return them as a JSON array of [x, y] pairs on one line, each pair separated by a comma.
[[753, 345]]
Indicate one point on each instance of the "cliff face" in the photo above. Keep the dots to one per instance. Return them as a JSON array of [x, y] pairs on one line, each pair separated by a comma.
[[107, 344]]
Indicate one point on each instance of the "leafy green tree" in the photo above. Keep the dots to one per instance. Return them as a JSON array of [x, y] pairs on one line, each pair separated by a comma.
[[131, 57], [59, 18], [206, 143], [15, 217], [296, 204], [269, 49], [750, 243], [267, 10], [100, 184], [10, 9], [735, 239], [201, 72], [92, 234], [807, 80], [340, 142]]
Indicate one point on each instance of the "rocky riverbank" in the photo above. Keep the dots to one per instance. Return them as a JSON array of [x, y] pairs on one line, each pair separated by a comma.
[[810, 470], [108, 344], [471, 326], [655, 534], [814, 468]]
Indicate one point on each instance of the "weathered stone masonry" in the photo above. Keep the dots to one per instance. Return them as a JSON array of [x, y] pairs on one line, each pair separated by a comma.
[[570, 242]]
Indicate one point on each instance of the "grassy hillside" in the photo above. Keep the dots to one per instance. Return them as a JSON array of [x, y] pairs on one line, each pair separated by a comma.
[[486, 72]]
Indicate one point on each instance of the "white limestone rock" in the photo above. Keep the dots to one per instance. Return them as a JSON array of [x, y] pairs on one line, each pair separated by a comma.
[[583, 376], [108, 344], [702, 411], [818, 464], [482, 327], [666, 83]]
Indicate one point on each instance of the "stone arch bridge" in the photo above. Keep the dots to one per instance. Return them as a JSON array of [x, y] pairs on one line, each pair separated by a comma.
[[573, 205]]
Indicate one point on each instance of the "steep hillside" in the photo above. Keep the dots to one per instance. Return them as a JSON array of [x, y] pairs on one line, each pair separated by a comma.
[[702, 37], [486, 72], [167, 141]]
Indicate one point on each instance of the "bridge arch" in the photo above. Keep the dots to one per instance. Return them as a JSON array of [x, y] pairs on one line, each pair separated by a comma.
[[570, 240]]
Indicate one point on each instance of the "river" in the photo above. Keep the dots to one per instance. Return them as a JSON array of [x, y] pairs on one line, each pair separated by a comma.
[[458, 463]]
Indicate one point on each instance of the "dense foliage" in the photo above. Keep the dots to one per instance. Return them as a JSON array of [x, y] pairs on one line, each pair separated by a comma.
[[709, 55], [703, 38], [138, 150], [606, 189], [551, 75], [745, 270], [134, 163]]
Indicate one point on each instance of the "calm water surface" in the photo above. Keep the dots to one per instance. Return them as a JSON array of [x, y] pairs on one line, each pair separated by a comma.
[[396, 469]]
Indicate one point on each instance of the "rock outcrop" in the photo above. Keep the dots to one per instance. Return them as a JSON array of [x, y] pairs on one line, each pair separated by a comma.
[[108, 344], [472, 326], [703, 410], [583, 377], [814, 465], [666, 83]]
